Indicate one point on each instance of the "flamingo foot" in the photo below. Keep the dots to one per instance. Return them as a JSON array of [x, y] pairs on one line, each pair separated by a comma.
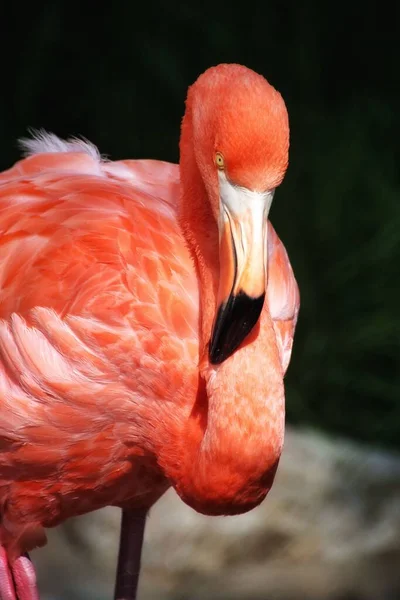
[[17, 580]]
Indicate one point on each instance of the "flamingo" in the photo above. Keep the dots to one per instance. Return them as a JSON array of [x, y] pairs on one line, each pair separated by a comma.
[[147, 315]]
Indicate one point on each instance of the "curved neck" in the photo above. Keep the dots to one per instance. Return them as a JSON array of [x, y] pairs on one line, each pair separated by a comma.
[[233, 439], [200, 230]]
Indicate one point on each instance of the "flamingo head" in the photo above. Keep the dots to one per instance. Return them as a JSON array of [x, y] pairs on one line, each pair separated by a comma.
[[240, 139]]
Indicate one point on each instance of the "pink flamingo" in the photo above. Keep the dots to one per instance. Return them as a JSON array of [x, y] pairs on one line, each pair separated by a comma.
[[147, 314]]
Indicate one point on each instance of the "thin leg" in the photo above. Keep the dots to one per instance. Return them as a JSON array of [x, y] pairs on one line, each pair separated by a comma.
[[130, 550], [17, 581]]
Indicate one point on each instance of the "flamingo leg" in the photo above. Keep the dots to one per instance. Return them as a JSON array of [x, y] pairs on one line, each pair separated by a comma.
[[130, 551], [17, 580]]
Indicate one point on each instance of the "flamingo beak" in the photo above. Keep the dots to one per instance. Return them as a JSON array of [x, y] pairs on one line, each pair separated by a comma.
[[243, 266]]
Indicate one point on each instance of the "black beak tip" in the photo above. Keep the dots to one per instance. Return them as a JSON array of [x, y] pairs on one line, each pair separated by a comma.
[[217, 356], [235, 320]]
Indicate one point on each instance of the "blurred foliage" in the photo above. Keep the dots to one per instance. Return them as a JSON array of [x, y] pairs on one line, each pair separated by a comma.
[[118, 76]]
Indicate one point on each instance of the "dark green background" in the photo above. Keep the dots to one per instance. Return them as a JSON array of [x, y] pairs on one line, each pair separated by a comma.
[[118, 75]]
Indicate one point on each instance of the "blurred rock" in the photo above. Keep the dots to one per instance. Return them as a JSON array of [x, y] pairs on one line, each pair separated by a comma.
[[329, 530]]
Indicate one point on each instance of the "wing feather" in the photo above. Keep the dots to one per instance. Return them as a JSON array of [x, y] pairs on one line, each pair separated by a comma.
[[96, 287], [283, 296]]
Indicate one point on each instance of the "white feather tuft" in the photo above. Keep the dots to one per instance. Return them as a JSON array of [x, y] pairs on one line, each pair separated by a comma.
[[44, 142]]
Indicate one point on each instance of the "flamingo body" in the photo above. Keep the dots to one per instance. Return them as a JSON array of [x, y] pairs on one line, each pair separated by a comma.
[[98, 303], [106, 394]]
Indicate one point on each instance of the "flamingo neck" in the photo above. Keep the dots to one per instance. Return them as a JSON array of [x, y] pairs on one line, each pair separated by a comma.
[[200, 230], [231, 443]]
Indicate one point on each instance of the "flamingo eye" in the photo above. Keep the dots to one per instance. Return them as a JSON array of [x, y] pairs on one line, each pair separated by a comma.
[[219, 161]]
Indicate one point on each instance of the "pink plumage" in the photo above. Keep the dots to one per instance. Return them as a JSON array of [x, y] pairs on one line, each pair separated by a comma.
[[107, 392]]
